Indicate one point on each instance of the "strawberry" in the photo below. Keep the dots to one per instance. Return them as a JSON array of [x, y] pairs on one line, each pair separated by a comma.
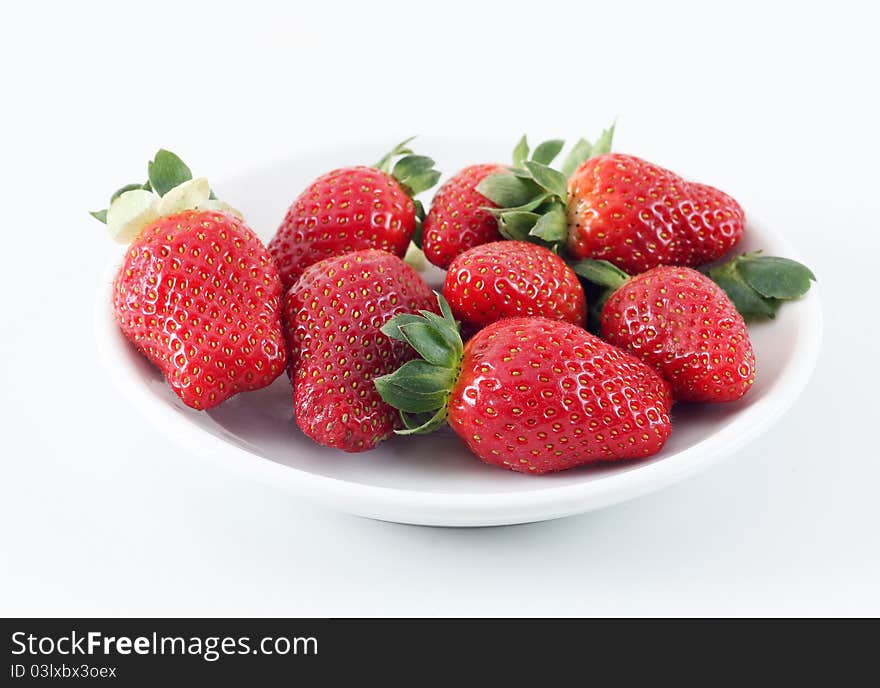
[[618, 208], [687, 327], [508, 278], [638, 215], [528, 394], [682, 323], [354, 208], [458, 218], [197, 292], [334, 313]]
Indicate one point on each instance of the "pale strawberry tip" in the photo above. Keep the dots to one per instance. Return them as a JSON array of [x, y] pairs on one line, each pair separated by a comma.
[[169, 190]]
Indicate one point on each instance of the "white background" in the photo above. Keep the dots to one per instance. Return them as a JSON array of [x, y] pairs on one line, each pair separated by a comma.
[[99, 515]]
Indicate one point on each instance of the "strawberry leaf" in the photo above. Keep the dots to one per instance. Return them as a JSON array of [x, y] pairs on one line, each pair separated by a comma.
[[774, 277], [446, 311], [603, 143], [416, 387], [583, 150], [441, 327], [508, 190], [521, 152], [430, 344], [525, 207], [404, 399], [552, 180], [552, 226], [166, 171], [576, 157], [517, 224], [420, 388], [420, 218], [546, 152], [421, 182], [420, 210], [401, 148], [422, 423], [520, 172], [411, 165], [414, 173], [392, 327], [758, 284], [750, 304]]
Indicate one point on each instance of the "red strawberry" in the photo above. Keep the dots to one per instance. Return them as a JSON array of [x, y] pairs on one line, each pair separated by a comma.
[[197, 291], [509, 278], [334, 313], [457, 219], [353, 208], [615, 207], [529, 394], [638, 215], [681, 323]]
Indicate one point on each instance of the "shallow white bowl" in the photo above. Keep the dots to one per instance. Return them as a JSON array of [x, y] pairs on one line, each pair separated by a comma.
[[434, 480]]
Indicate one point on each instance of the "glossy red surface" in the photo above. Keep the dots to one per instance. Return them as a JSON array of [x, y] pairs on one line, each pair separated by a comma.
[[456, 220], [504, 279], [683, 324], [345, 210], [333, 314], [200, 296], [537, 395], [638, 215]]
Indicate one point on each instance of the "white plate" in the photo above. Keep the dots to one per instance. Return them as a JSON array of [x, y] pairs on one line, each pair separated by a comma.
[[434, 480]]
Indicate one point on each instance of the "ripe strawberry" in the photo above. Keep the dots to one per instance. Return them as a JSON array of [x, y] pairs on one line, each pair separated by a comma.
[[528, 394], [615, 207], [354, 208], [509, 278], [638, 216], [334, 313], [458, 219], [681, 323], [197, 291]]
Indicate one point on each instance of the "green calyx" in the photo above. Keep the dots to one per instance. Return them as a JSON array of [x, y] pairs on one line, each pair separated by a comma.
[[756, 284], [531, 196], [414, 173], [420, 388], [165, 171], [759, 284]]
